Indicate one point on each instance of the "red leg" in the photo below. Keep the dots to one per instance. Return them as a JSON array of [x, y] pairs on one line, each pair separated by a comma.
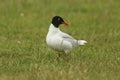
[[58, 56]]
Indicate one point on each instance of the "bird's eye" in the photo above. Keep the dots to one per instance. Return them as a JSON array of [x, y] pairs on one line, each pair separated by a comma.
[[58, 19]]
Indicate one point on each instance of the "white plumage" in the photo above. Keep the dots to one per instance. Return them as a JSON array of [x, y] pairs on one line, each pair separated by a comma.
[[61, 41]]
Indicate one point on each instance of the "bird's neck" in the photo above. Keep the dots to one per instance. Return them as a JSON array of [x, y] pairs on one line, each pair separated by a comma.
[[53, 29]]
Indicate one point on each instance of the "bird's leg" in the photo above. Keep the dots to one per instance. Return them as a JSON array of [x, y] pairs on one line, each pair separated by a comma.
[[58, 56]]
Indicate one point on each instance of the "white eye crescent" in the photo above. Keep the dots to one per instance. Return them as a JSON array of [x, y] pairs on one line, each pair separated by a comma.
[[58, 19]]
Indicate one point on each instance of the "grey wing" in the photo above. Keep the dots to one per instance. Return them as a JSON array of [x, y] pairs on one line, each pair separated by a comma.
[[69, 39]]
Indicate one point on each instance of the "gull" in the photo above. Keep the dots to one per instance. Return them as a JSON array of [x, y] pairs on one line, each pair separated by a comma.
[[60, 41]]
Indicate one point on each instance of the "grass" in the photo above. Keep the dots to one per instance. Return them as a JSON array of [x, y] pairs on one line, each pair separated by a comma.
[[24, 54]]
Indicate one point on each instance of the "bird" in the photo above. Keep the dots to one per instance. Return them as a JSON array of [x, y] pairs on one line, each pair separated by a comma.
[[61, 41]]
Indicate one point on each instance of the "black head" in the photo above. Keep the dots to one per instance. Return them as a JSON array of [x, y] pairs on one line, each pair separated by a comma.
[[57, 20]]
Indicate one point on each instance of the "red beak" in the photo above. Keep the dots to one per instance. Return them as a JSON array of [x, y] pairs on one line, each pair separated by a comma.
[[65, 23]]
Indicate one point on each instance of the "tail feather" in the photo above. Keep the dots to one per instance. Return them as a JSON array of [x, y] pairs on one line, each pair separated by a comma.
[[82, 42]]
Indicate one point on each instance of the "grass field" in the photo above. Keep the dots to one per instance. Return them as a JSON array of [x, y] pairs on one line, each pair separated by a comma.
[[24, 54]]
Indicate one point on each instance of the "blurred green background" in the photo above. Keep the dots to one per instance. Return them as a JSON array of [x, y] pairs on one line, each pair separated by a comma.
[[24, 54]]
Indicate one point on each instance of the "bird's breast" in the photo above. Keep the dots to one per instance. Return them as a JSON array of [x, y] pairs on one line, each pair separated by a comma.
[[54, 42]]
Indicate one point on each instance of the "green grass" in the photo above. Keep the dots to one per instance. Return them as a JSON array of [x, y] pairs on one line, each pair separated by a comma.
[[24, 54]]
